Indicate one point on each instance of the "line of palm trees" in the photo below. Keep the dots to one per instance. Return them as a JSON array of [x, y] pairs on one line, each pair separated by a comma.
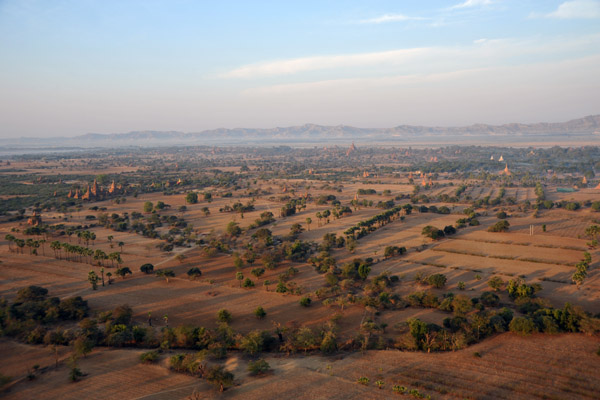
[[84, 254], [71, 252]]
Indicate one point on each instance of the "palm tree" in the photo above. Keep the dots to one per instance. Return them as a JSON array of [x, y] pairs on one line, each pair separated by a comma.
[[121, 244], [55, 245], [319, 216], [308, 222], [11, 239], [20, 244]]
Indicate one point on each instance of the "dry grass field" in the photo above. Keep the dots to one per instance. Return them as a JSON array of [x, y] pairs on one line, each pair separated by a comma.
[[562, 366], [509, 367]]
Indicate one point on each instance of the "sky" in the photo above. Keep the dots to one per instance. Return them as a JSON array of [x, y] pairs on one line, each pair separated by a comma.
[[69, 67]]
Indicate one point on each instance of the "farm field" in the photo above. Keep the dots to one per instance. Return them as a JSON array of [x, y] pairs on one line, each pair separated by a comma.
[[510, 367], [337, 264]]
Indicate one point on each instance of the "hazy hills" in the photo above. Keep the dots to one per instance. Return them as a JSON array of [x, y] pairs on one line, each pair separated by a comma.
[[310, 133]]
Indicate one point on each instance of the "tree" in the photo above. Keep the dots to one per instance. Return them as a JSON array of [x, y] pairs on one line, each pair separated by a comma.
[[296, 229], [437, 280], [258, 272], [218, 376], [191, 198], [308, 222], [147, 268], [364, 270], [496, 283], [500, 226], [233, 229], [194, 273], [258, 367], [305, 301], [522, 325], [93, 279], [240, 277], [432, 232], [329, 343], [83, 346], [148, 207], [180, 258], [248, 283], [121, 244], [122, 272], [260, 312], [208, 196], [165, 273], [223, 315]]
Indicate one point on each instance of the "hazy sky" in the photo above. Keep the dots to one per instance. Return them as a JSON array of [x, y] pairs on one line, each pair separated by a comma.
[[72, 67]]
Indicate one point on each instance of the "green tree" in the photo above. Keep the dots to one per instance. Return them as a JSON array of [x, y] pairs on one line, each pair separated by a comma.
[[240, 277], [93, 278], [437, 280], [260, 312], [194, 273], [122, 272], [191, 198], [147, 268], [496, 283], [223, 316], [218, 376], [148, 206], [165, 273], [233, 229]]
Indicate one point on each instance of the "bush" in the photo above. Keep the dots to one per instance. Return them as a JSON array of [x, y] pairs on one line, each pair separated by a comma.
[[260, 312], [489, 299], [248, 283], [305, 301], [501, 215], [437, 280], [147, 268], [258, 367], [500, 226], [149, 356], [522, 326], [223, 315], [194, 273]]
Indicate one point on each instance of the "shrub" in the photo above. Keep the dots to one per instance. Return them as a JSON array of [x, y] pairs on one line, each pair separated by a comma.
[[260, 312], [223, 315], [522, 326], [219, 377], [248, 283], [149, 356], [258, 367], [489, 299], [194, 273], [305, 301], [329, 343], [147, 268], [500, 226], [437, 280], [363, 380], [496, 283]]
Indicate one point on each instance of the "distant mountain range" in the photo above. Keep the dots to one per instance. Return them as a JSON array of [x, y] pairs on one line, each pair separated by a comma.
[[310, 133]]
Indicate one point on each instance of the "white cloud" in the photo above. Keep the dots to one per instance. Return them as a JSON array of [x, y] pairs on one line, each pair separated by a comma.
[[480, 53], [576, 9], [305, 64], [472, 3], [390, 18]]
